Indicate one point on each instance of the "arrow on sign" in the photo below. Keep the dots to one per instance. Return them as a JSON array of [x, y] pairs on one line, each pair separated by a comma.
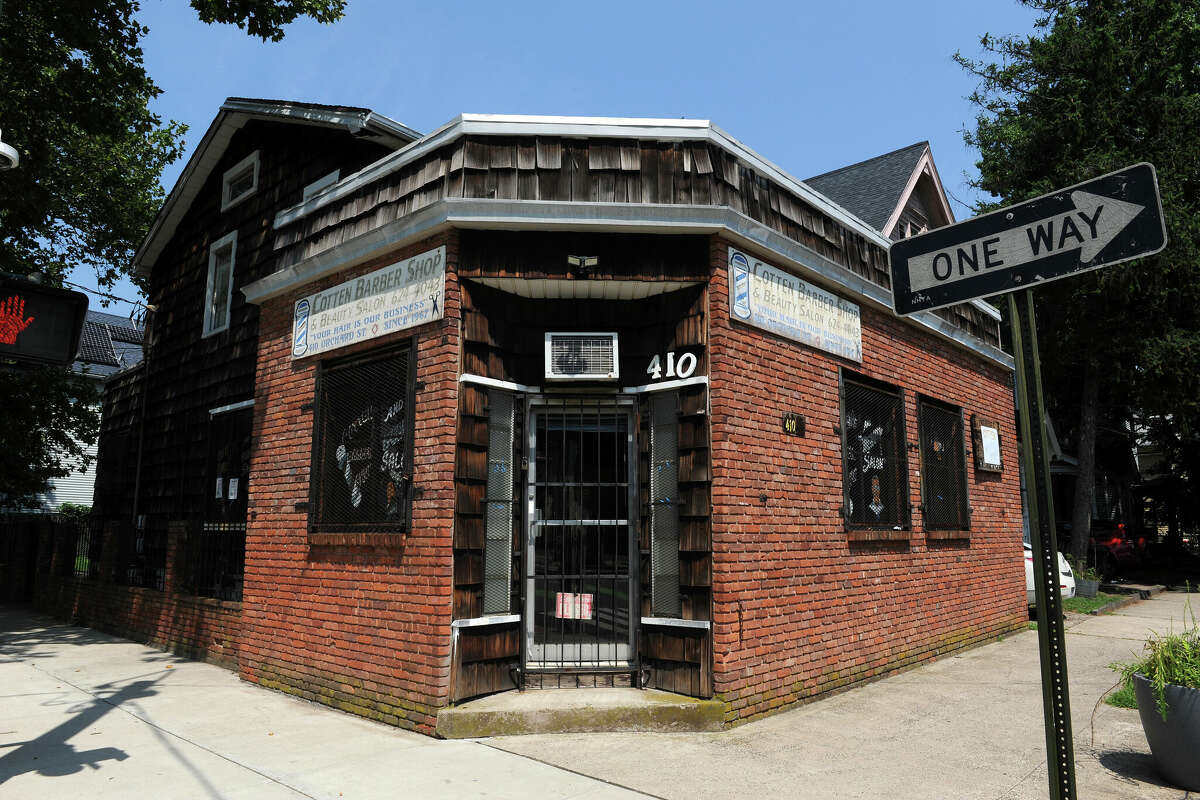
[[1089, 228], [1104, 221]]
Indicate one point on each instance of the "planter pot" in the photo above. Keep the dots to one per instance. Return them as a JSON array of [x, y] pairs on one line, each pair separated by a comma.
[[1086, 588], [1174, 742]]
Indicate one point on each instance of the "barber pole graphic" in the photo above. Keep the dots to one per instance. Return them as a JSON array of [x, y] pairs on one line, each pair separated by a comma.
[[741, 285], [300, 329]]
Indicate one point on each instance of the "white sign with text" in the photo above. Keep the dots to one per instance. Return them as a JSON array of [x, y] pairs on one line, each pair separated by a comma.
[[393, 298], [781, 303]]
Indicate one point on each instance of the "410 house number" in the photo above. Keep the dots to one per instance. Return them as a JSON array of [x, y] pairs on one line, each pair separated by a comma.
[[681, 367]]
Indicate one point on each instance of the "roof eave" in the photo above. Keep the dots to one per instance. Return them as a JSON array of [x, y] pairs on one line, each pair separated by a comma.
[[598, 127], [233, 114]]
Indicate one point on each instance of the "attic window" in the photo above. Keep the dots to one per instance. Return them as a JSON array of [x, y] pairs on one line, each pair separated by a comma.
[[240, 181], [321, 184]]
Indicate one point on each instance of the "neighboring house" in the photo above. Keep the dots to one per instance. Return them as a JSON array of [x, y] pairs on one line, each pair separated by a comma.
[[107, 345], [898, 194], [541, 401]]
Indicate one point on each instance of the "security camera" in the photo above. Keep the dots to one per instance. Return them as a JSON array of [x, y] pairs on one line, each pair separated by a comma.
[[8, 156]]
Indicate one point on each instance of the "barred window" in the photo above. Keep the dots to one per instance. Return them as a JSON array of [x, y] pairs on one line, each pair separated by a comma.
[[362, 470], [874, 471], [943, 466]]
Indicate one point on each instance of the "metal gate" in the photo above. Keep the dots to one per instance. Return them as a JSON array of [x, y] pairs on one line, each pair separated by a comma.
[[581, 554]]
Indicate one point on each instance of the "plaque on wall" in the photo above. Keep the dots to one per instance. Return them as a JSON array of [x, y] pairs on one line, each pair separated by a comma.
[[985, 435]]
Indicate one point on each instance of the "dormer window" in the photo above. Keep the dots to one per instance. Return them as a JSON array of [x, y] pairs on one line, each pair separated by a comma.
[[240, 181]]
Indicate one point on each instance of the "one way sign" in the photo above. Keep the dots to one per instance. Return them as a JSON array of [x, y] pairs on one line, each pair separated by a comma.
[[1103, 221]]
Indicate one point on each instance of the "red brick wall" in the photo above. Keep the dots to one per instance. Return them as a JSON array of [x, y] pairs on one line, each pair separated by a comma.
[[196, 627], [799, 609], [362, 628]]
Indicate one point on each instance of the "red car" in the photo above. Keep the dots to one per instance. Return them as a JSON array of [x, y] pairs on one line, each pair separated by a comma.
[[1113, 550]]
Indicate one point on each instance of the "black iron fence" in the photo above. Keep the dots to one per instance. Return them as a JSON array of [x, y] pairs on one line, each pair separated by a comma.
[[214, 560], [141, 553], [88, 536]]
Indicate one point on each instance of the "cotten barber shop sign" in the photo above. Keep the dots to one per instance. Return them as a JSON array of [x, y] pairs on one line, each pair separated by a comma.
[[779, 302], [394, 298]]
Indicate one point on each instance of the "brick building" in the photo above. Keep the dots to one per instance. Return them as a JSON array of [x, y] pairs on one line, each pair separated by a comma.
[[532, 402]]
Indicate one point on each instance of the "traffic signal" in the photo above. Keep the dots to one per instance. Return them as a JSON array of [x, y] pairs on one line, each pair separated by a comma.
[[39, 324]]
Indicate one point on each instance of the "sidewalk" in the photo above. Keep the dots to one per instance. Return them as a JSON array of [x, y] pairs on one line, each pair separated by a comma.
[[84, 714]]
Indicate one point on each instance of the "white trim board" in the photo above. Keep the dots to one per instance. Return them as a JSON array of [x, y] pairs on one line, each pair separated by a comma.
[[610, 217]]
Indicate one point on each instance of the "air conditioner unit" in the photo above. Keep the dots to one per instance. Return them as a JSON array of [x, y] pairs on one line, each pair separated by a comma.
[[581, 357]]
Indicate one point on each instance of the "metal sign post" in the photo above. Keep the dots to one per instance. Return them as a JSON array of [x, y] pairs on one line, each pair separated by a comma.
[[1056, 701], [1104, 221]]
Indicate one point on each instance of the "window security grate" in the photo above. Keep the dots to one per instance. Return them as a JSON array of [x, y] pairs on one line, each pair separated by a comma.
[[664, 505], [873, 468], [364, 451], [943, 468], [497, 584]]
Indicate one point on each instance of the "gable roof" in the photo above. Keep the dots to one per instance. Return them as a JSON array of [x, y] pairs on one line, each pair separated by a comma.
[[235, 112], [107, 344], [872, 189]]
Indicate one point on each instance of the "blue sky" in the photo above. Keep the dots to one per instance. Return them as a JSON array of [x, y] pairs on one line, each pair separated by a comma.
[[810, 86]]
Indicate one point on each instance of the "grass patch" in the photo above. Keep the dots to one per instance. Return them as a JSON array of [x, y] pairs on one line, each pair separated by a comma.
[[1123, 697], [1086, 605]]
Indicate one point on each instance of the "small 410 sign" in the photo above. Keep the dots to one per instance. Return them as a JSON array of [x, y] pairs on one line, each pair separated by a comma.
[[1104, 221]]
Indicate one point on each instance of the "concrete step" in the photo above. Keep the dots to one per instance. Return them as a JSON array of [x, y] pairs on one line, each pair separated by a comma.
[[1143, 591], [578, 711]]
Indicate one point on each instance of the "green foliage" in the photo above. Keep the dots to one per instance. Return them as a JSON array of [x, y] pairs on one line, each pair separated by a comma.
[[1123, 697], [1171, 658], [266, 18], [75, 104], [1100, 85], [50, 419], [1086, 605], [1082, 570], [75, 511]]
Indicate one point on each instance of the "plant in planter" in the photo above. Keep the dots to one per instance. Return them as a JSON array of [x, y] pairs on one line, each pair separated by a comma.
[[1166, 681], [1087, 580]]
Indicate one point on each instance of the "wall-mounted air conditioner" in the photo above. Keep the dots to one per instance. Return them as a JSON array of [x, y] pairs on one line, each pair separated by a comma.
[[581, 357]]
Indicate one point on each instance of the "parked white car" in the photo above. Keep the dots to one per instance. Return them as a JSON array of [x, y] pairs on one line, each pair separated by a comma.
[[1066, 578]]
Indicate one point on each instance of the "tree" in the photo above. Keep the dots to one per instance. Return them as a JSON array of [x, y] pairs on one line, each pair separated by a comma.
[[1099, 85], [75, 104], [266, 19], [50, 420]]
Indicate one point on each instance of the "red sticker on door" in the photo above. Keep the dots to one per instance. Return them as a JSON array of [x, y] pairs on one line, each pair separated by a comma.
[[573, 606]]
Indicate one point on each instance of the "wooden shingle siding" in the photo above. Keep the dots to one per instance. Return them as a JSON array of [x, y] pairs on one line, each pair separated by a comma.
[[502, 338], [189, 374], [601, 170]]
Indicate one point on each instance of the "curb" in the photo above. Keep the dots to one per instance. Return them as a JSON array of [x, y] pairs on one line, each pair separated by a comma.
[[1136, 596]]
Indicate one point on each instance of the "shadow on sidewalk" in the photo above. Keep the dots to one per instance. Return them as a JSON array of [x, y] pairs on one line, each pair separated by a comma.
[[51, 754], [24, 635], [1131, 767]]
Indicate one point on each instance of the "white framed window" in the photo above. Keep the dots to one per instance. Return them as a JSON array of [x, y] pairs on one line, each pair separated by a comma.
[[240, 181], [218, 292], [321, 184]]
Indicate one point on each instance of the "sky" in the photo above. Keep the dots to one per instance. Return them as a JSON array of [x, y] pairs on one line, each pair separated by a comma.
[[809, 86]]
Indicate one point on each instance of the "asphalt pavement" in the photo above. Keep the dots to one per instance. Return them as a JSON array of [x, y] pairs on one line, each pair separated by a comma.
[[85, 714]]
